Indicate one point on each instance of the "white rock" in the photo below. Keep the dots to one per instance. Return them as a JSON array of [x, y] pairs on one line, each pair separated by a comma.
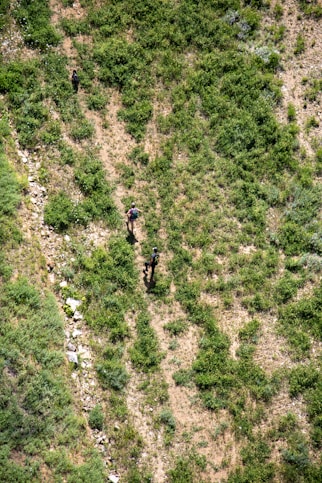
[[84, 352], [71, 347], [113, 478], [76, 333], [67, 238], [63, 284], [73, 304], [77, 315], [72, 357]]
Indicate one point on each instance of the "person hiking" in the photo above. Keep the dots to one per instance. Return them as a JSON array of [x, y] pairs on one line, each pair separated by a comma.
[[132, 215], [154, 259], [75, 80]]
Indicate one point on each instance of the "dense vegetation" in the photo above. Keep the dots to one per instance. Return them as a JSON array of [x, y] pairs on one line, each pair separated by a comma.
[[225, 168]]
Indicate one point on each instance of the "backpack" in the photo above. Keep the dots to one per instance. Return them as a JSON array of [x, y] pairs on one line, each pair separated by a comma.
[[134, 213], [75, 78], [156, 259]]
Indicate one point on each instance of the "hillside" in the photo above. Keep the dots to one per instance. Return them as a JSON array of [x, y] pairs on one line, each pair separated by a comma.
[[208, 116]]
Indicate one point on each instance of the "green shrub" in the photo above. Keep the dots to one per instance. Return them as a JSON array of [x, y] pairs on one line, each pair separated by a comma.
[[73, 27], [9, 188], [249, 333], [82, 129], [112, 375], [167, 419], [127, 175], [306, 314], [287, 424], [34, 20], [182, 472], [59, 212], [303, 378], [52, 134], [293, 238], [312, 122], [145, 353], [138, 156], [97, 100], [278, 11], [21, 293], [176, 327], [182, 377], [96, 418], [299, 45], [291, 112], [67, 154], [4, 10], [258, 473], [286, 288]]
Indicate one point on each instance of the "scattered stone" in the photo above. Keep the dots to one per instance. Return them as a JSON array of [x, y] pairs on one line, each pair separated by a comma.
[[73, 304], [114, 478], [85, 353], [72, 357], [51, 277], [77, 315], [76, 333], [67, 238], [71, 347], [63, 284]]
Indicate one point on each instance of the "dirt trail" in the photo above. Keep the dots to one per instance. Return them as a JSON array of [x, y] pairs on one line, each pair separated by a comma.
[[114, 145]]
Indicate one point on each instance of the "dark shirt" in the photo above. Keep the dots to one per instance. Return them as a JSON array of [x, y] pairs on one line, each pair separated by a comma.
[[154, 258]]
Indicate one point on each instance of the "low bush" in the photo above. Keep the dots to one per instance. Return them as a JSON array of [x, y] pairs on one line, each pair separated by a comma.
[[96, 418], [183, 377], [97, 100], [302, 378], [305, 314], [145, 353], [4, 10], [176, 327], [82, 129], [286, 288], [299, 44], [34, 20], [249, 333], [59, 212], [112, 375], [166, 418]]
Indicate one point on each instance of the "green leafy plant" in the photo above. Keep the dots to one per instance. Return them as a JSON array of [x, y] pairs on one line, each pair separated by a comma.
[[96, 417], [299, 45]]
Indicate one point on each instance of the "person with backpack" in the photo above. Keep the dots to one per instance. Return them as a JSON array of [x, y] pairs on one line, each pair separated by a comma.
[[75, 80], [154, 260], [132, 215]]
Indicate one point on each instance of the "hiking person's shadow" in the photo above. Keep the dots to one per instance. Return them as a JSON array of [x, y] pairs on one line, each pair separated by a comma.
[[130, 238], [150, 284]]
